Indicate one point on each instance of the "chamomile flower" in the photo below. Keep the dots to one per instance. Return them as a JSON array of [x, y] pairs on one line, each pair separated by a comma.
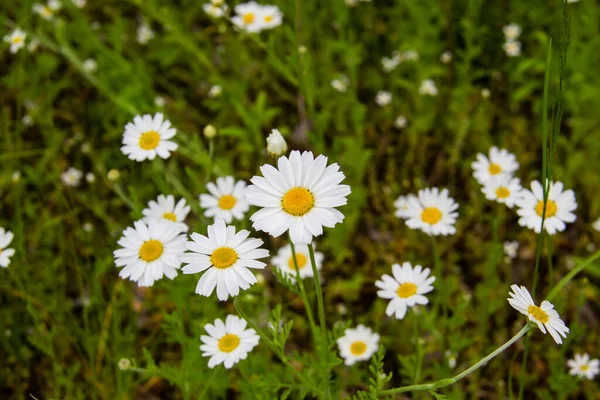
[[90, 65], [511, 31], [428, 87], [410, 55], [144, 34], [249, 17], [16, 39], [165, 208], [215, 11], [596, 225], [358, 344], [544, 316], [433, 212], [559, 207], [407, 288], [226, 199], [512, 48], [383, 98], [5, 252], [47, 11], [271, 17], [147, 137], [284, 261], [511, 249], [504, 189], [71, 177], [500, 162], [584, 367], [150, 251], [225, 256], [228, 342], [276, 145], [79, 3], [215, 91], [401, 122], [299, 196], [446, 57], [341, 84], [401, 205], [390, 63]]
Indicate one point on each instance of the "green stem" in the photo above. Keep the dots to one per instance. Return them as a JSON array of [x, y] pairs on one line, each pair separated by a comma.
[[419, 347], [207, 383], [567, 278], [307, 307]]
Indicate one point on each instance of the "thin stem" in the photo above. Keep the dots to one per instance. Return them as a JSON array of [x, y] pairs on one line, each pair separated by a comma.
[[523, 367], [207, 383], [307, 307], [567, 278], [419, 348], [549, 256]]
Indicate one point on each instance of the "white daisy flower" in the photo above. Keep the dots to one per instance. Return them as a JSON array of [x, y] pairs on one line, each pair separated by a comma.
[[214, 10], [433, 212], [544, 316], [383, 98], [284, 261], [401, 205], [406, 289], [500, 162], [71, 177], [446, 57], [226, 199], [90, 177], [271, 17], [512, 48], [16, 39], [165, 208], [46, 11], [428, 87], [584, 367], [147, 137], [596, 225], [150, 251], [511, 249], [144, 34], [5, 252], [90, 65], [228, 342], [504, 189], [485, 93], [390, 63], [249, 17], [401, 122], [276, 145], [215, 91], [341, 84], [358, 344], [300, 195], [559, 207], [225, 256], [511, 31]]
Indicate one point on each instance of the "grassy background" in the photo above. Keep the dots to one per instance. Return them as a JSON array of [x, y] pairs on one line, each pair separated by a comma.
[[67, 319]]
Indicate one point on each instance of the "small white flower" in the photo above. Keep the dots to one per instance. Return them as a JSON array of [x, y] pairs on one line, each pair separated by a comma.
[[215, 91], [358, 344], [225, 256], [559, 207], [159, 101], [46, 11], [5, 252], [86, 148], [351, 3], [15, 176], [27, 120], [383, 98], [90, 65], [71, 177], [485, 93], [209, 132], [433, 212], [512, 48], [511, 249], [401, 122], [446, 57], [301, 196], [596, 225], [215, 11], [150, 251], [284, 261], [226, 199], [124, 364], [79, 3], [401, 205], [451, 356], [113, 174], [511, 31], [16, 39], [271, 17], [88, 227], [90, 177], [572, 1], [147, 137], [407, 288], [341, 84], [499, 163], [249, 17], [428, 87], [276, 145], [390, 63], [410, 55], [504, 189], [584, 367], [144, 33], [165, 208], [228, 342], [544, 316]]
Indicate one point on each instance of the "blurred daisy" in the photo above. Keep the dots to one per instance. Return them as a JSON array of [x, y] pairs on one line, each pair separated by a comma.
[[299, 196], [390, 63], [215, 91], [144, 33], [504, 189], [79, 3], [90, 65], [383, 98], [428, 87], [512, 48], [159, 101], [16, 39], [405, 289], [433, 212], [401, 205], [511, 31], [46, 11], [226, 199], [485, 93], [249, 17], [451, 356], [511, 249], [341, 84], [147, 137], [276, 145], [358, 344], [596, 225], [544, 316], [215, 10], [71, 177], [446, 57], [584, 367], [271, 17], [165, 208], [5, 252], [401, 122], [559, 207], [228, 342], [225, 256], [150, 251], [90, 177], [500, 162], [410, 55], [284, 261]]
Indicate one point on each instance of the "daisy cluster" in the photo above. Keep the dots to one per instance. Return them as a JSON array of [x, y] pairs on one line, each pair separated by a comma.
[[512, 45], [250, 16]]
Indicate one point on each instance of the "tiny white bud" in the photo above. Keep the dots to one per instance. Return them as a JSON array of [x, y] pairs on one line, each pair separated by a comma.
[[276, 144], [210, 131]]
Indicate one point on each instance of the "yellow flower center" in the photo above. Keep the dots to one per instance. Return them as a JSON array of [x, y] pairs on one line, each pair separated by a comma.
[[248, 18], [300, 259], [584, 367], [46, 11], [170, 216], [229, 343], [151, 250], [550, 208], [268, 18], [357, 348], [17, 40], [502, 192], [431, 215], [407, 290], [538, 314], [298, 201], [223, 257], [227, 202], [494, 169], [149, 140]]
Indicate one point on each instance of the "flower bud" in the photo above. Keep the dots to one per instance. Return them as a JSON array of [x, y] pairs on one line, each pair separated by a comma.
[[210, 131], [276, 145]]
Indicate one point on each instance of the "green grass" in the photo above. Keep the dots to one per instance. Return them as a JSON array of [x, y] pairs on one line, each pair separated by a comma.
[[67, 319]]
